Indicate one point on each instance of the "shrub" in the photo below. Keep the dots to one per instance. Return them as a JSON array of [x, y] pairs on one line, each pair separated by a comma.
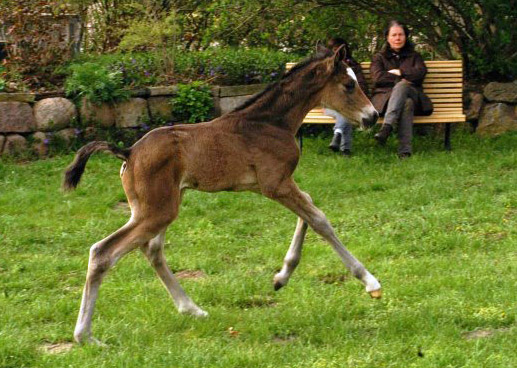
[[193, 102], [96, 83], [233, 66], [2, 82], [214, 66]]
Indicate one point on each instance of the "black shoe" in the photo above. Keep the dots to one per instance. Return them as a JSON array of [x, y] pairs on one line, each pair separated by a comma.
[[346, 152], [404, 155], [336, 141], [382, 136]]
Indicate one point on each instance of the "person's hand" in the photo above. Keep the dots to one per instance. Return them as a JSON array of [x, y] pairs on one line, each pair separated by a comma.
[[395, 71]]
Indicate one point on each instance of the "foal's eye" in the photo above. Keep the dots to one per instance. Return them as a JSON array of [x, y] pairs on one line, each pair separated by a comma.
[[349, 86]]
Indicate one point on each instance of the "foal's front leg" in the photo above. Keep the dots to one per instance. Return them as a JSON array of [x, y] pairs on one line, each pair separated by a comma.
[[291, 197]]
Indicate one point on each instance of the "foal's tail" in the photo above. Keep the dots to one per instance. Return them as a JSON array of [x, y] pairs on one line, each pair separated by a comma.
[[74, 172]]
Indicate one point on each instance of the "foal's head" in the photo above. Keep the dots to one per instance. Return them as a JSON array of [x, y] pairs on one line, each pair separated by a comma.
[[343, 94]]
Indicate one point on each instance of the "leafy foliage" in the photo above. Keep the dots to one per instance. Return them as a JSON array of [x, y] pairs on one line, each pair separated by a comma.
[[233, 66], [2, 79], [213, 66], [37, 39], [480, 32], [193, 102], [96, 83]]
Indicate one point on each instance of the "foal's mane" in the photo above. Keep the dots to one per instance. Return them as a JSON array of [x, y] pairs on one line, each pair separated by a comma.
[[276, 85]]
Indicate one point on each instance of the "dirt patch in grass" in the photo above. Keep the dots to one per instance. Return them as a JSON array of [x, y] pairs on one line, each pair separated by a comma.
[[58, 348], [284, 339], [333, 278], [256, 301], [479, 334], [190, 274]]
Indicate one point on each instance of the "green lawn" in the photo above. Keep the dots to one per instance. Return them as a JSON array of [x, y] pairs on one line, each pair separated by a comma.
[[439, 230]]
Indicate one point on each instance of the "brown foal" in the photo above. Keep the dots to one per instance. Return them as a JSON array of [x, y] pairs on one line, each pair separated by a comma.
[[251, 148]]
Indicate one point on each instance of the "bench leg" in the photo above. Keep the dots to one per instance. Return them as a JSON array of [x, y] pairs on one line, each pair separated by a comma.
[[300, 139], [447, 139]]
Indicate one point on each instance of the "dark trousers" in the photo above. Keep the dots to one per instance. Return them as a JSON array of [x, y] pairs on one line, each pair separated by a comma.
[[400, 112]]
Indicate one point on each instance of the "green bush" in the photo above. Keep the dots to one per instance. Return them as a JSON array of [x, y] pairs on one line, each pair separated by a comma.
[[233, 66], [2, 79], [228, 66], [96, 83], [193, 102]]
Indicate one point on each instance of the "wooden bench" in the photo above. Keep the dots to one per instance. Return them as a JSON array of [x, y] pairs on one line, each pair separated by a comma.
[[443, 84]]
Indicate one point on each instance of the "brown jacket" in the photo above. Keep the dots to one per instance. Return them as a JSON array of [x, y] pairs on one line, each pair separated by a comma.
[[412, 68]]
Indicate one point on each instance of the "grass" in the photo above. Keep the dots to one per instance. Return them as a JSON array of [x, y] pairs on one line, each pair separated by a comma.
[[439, 230]]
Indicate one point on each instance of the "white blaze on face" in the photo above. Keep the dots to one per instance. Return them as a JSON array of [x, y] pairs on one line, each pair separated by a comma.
[[351, 73], [368, 110]]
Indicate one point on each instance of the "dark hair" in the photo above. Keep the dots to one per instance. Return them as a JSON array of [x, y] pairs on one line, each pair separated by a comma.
[[396, 23], [335, 42]]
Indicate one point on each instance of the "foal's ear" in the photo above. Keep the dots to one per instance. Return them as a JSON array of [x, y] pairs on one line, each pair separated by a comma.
[[339, 54], [322, 50]]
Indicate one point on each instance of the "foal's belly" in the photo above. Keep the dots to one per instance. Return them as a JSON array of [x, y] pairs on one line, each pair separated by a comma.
[[214, 178]]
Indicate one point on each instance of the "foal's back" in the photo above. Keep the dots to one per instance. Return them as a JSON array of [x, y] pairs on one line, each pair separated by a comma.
[[225, 154]]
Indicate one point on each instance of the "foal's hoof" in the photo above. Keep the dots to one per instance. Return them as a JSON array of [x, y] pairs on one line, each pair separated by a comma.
[[278, 285], [194, 311], [376, 294]]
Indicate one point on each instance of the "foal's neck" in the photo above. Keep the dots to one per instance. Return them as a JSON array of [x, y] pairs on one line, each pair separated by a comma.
[[285, 104]]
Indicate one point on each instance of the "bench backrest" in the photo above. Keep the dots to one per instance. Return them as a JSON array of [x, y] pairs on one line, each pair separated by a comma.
[[443, 84]]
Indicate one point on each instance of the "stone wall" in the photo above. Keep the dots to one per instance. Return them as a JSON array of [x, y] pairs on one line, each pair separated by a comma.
[[495, 109], [30, 121]]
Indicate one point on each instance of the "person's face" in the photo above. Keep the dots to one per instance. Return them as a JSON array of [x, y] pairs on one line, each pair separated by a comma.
[[396, 38]]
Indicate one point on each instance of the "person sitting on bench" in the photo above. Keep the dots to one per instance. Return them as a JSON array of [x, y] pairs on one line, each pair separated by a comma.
[[397, 73]]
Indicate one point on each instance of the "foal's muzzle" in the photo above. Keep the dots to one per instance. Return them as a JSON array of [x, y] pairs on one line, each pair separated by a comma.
[[370, 120]]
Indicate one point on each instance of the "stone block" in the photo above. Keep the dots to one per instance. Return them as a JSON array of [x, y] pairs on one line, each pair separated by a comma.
[[501, 92], [14, 144], [160, 108], [474, 106], [227, 104], [16, 117], [54, 113], [163, 90], [17, 97], [497, 118], [242, 90], [68, 135], [103, 114], [40, 144], [131, 113]]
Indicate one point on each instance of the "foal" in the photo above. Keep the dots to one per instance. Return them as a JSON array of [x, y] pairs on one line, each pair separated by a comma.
[[251, 148]]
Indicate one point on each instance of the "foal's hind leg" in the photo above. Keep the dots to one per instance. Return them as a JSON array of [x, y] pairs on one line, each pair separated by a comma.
[[292, 258], [103, 255], [153, 250], [290, 196]]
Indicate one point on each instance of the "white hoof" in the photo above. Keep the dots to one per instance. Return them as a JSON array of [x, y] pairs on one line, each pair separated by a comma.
[[193, 311], [371, 283]]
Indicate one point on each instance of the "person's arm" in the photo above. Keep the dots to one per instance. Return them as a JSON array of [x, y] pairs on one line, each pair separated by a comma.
[[380, 76], [416, 72]]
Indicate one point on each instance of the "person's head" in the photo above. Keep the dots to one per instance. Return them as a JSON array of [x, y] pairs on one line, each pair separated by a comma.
[[396, 35], [335, 43]]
